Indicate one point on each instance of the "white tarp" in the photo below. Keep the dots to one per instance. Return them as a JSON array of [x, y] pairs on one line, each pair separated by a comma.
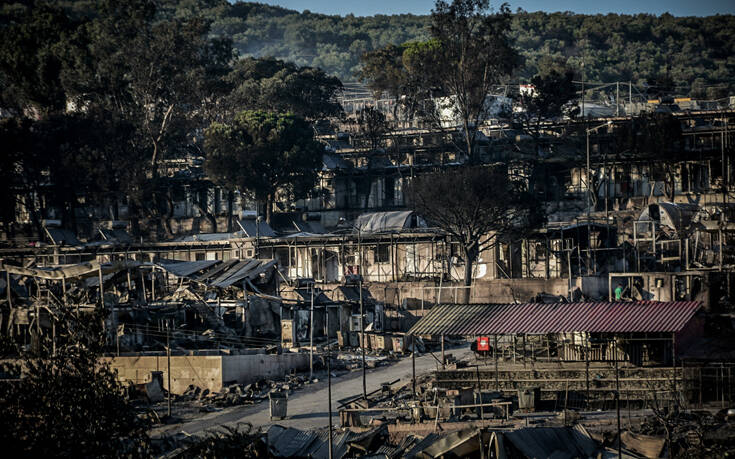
[[382, 222]]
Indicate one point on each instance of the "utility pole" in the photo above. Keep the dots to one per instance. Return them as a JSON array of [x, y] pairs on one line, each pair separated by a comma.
[[583, 114], [589, 194], [168, 365], [102, 304], [630, 93], [362, 315], [329, 384], [589, 185], [724, 168], [257, 231], [617, 98], [311, 335], [617, 398], [38, 325], [362, 334], [589, 199], [8, 288], [413, 363]]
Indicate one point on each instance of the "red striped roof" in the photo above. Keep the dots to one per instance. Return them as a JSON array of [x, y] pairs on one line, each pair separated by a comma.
[[539, 318]]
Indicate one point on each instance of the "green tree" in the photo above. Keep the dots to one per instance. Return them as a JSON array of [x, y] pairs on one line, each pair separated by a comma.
[[157, 71], [66, 403], [272, 84], [371, 127], [660, 86], [157, 74], [268, 154], [55, 161], [552, 91], [403, 73], [91, 156], [475, 53], [382, 70], [452, 73], [163, 76], [32, 39], [17, 172], [27, 162], [617, 47]]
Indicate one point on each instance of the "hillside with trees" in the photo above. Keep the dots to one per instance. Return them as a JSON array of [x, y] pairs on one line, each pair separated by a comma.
[[693, 54], [686, 55]]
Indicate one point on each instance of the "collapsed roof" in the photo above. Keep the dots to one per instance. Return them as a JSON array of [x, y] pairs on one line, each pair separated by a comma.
[[675, 216], [79, 270], [216, 273]]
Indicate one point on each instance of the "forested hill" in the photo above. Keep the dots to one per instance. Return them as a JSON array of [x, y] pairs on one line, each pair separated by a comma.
[[697, 53]]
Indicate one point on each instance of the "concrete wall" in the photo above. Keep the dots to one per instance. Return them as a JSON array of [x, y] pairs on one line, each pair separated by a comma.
[[512, 290], [202, 371], [594, 286], [491, 291], [209, 372], [246, 369]]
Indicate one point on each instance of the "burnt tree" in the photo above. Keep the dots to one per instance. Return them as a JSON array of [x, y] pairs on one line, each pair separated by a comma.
[[478, 206]]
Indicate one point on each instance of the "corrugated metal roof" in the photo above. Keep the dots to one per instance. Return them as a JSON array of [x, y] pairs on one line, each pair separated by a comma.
[[537, 318], [79, 270], [320, 448], [253, 229], [290, 442], [304, 294], [216, 271], [59, 236], [311, 227], [353, 293], [244, 265], [116, 235], [553, 442], [186, 268], [211, 237], [249, 271]]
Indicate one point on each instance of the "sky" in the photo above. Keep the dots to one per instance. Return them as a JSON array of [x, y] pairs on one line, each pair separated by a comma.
[[371, 7]]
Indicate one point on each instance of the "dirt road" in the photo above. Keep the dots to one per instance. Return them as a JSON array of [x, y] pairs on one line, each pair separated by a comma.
[[307, 408]]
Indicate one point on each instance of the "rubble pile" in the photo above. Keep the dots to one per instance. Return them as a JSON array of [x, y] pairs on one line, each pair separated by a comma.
[[691, 434], [278, 441], [349, 361], [202, 400], [240, 394], [240, 441]]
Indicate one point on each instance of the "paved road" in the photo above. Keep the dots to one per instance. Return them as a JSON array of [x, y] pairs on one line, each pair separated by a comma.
[[307, 408]]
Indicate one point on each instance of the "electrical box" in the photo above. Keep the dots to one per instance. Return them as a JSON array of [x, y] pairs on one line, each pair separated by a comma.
[[355, 322], [287, 333]]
